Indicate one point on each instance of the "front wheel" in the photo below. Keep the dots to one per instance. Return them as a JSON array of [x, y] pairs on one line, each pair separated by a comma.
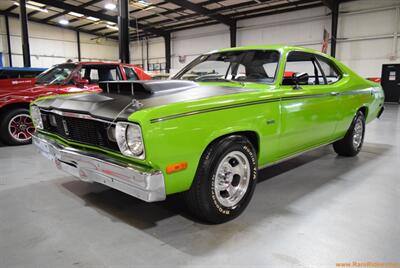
[[16, 127], [352, 143], [224, 181]]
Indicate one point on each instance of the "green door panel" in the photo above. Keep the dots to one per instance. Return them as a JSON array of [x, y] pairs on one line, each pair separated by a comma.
[[309, 117]]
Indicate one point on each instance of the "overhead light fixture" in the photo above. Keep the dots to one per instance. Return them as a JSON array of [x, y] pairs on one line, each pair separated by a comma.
[[148, 8], [110, 23], [92, 18], [143, 3], [33, 3], [63, 22], [110, 6], [79, 15], [33, 7], [112, 27]]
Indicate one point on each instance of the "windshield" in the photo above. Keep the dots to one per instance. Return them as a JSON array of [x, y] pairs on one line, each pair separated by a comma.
[[243, 66], [56, 75]]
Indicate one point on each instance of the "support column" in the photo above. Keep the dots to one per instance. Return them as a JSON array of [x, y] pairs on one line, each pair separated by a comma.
[[147, 54], [334, 26], [78, 43], [142, 47], [123, 33], [233, 31], [23, 18], [167, 40], [8, 42]]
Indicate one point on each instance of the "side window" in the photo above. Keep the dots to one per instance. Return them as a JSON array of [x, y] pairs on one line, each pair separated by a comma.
[[257, 66], [302, 62], [27, 74], [96, 74], [113, 74], [330, 71], [130, 74], [240, 72], [270, 68]]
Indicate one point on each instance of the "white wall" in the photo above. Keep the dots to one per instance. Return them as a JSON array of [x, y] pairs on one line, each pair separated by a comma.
[[365, 34], [365, 38], [51, 45], [138, 52]]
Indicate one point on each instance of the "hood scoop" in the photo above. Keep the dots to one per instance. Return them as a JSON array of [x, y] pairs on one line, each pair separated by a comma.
[[142, 89]]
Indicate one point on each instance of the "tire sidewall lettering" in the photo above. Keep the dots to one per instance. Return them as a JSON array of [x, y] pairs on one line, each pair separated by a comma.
[[224, 210]]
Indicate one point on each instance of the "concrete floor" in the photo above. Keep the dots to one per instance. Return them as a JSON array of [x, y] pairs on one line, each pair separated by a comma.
[[312, 211]]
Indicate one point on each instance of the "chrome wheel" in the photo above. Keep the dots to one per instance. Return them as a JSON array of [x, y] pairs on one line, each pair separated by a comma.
[[358, 133], [232, 179], [21, 127]]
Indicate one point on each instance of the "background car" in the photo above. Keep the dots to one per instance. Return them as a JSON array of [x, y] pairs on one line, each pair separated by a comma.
[[16, 126]]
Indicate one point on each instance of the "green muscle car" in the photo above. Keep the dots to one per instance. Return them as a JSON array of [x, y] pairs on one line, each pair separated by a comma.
[[206, 132]]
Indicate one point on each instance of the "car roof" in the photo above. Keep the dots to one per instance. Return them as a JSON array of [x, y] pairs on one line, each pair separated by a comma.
[[96, 63], [105, 63], [278, 47]]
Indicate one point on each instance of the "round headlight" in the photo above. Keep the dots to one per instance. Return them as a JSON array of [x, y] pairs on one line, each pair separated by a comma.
[[36, 117], [129, 139]]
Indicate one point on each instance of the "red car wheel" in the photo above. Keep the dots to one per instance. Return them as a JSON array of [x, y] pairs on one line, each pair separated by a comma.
[[16, 127], [21, 127]]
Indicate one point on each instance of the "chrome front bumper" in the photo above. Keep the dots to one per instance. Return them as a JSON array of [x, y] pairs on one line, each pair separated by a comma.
[[144, 184]]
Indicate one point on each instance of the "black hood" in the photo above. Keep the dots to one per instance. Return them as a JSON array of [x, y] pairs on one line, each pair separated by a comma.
[[120, 99]]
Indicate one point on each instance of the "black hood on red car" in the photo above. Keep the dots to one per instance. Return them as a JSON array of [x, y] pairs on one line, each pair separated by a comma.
[[121, 99]]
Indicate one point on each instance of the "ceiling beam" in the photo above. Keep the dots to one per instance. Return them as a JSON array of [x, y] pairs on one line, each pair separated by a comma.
[[329, 3], [170, 11], [13, 15], [233, 7], [166, 23], [283, 8], [66, 11], [203, 11], [96, 14], [274, 12]]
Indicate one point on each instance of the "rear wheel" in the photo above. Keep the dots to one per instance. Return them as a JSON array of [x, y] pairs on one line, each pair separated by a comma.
[[352, 143], [225, 180], [16, 127]]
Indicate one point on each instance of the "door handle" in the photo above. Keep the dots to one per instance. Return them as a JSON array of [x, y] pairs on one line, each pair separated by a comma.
[[334, 93]]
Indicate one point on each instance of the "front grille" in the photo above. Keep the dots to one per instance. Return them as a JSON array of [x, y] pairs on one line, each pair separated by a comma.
[[87, 131]]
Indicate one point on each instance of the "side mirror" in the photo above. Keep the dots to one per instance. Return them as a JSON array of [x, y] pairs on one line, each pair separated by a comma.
[[81, 82], [300, 79]]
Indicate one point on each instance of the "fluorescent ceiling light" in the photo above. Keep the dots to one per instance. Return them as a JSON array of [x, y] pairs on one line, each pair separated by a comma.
[[63, 22], [149, 8], [110, 6], [112, 27], [35, 4], [110, 23], [92, 18], [30, 6], [143, 3], [75, 14]]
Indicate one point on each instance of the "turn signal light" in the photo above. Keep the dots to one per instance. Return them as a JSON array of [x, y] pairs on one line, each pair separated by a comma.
[[176, 167]]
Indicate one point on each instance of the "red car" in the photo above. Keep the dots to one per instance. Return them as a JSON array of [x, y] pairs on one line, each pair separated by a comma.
[[16, 126]]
